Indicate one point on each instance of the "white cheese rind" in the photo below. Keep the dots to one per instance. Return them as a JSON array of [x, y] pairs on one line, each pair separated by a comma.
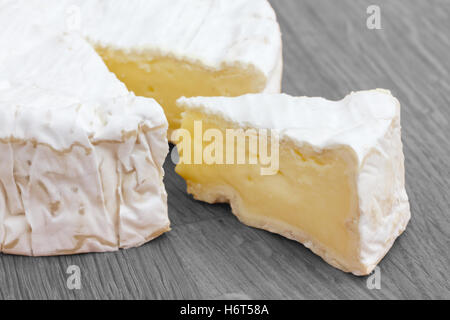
[[367, 122], [62, 63], [382, 195], [212, 33], [79, 177], [81, 157]]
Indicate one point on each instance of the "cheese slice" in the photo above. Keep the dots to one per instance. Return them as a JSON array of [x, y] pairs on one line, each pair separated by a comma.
[[168, 49], [81, 156], [337, 185]]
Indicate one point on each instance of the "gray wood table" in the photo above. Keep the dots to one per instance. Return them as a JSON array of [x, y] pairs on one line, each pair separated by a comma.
[[329, 51]]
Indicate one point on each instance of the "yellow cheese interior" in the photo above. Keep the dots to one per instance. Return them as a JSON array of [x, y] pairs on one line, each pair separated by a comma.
[[166, 79], [313, 194]]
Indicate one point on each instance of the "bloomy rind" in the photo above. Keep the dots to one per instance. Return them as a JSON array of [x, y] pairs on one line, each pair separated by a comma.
[[213, 34], [64, 193]]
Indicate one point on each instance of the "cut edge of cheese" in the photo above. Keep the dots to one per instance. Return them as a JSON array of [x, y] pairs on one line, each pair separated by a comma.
[[161, 50], [207, 33], [355, 142], [166, 79], [216, 48]]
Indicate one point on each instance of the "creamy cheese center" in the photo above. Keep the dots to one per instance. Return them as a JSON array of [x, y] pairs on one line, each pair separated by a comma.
[[166, 79], [312, 198]]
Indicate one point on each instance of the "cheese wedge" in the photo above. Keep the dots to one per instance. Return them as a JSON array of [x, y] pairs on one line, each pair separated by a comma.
[[335, 181], [168, 49], [81, 156]]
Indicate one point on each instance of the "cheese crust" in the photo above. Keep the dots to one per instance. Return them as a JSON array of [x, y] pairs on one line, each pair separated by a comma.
[[79, 177], [165, 50], [81, 156]]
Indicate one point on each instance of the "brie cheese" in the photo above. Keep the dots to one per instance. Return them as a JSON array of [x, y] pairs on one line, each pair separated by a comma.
[[81, 156], [79, 177], [168, 49], [340, 186]]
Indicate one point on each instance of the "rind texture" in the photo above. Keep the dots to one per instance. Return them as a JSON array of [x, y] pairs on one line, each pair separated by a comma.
[[383, 201], [212, 33], [81, 156], [366, 122], [66, 64], [79, 177]]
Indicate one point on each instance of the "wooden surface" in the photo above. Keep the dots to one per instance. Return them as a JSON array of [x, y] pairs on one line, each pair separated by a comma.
[[328, 52]]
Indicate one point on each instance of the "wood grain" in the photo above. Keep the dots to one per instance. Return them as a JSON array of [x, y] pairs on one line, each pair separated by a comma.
[[328, 52]]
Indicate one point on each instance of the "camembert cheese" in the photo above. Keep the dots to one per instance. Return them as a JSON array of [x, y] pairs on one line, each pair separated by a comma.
[[167, 49], [79, 177], [58, 53], [335, 181], [81, 157]]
